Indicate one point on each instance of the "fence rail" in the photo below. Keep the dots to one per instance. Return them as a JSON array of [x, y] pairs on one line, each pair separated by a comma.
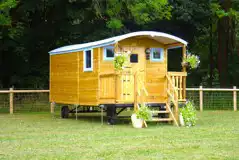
[[202, 90], [24, 100], [38, 100]]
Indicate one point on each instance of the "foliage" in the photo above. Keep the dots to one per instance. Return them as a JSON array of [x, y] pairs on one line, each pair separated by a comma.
[[114, 23], [29, 29], [120, 60], [144, 112], [5, 6], [140, 12], [144, 11], [193, 60], [189, 114]]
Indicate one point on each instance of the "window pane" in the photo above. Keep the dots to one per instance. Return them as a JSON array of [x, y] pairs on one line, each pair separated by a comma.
[[88, 59], [109, 53], [134, 58], [157, 53]]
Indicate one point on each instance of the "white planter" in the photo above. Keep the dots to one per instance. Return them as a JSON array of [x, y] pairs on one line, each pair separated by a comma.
[[137, 123], [181, 121]]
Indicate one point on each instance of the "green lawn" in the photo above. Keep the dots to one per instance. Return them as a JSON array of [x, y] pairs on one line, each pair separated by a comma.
[[41, 136]]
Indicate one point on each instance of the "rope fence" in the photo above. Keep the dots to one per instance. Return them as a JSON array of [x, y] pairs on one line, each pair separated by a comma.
[[15, 101]]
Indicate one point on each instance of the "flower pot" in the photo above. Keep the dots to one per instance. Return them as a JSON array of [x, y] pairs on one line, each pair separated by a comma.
[[181, 121], [136, 122], [186, 64]]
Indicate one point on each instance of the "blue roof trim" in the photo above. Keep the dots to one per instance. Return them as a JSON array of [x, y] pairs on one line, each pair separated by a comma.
[[81, 49], [174, 47], [158, 36]]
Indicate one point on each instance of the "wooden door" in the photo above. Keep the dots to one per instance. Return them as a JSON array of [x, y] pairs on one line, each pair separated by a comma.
[[126, 80]]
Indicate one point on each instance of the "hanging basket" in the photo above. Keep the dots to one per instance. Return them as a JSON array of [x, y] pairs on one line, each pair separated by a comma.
[[186, 64]]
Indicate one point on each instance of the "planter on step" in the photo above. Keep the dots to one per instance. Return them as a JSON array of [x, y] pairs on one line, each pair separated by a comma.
[[136, 122], [181, 121]]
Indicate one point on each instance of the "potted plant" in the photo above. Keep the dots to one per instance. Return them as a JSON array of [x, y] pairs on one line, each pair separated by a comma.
[[187, 116], [120, 60], [191, 61], [140, 116]]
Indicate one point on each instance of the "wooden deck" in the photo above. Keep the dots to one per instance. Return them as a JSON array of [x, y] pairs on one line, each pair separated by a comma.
[[128, 88]]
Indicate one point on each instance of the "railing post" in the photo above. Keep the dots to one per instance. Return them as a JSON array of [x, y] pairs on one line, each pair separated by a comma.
[[201, 98], [52, 107], [135, 91], [235, 98], [11, 100]]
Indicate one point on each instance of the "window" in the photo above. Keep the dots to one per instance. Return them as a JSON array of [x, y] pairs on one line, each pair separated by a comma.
[[134, 58], [88, 60], [156, 54], [109, 53]]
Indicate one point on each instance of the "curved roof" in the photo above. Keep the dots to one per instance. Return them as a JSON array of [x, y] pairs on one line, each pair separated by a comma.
[[163, 38]]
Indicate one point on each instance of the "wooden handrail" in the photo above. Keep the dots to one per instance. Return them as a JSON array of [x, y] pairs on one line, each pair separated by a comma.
[[172, 92], [171, 83], [177, 73], [107, 74]]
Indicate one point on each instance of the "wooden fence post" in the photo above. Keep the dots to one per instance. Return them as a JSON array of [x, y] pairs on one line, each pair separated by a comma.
[[11, 100], [52, 107], [201, 98], [235, 98]]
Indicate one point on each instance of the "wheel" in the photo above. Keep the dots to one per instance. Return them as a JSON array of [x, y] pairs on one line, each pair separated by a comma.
[[65, 112], [111, 114], [112, 121]]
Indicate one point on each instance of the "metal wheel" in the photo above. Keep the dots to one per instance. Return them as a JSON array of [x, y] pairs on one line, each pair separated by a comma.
[[65, 112]]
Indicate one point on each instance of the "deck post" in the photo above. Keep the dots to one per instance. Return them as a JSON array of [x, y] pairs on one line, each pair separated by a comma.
[[184, 56], [76, 111], [184, 70], [235, 98], [201, 98], [11, 100], [52, 107], [135, 92]]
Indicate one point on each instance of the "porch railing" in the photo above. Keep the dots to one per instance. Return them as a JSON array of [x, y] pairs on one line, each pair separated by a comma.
[[178, 79]]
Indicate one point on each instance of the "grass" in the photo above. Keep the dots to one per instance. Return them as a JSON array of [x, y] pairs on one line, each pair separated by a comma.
[[41, 136]]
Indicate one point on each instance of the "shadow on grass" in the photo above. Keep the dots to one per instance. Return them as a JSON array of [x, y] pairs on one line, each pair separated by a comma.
[[121, 120]]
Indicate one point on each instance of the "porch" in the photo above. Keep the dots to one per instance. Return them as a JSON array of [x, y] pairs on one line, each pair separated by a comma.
[[128, 88]]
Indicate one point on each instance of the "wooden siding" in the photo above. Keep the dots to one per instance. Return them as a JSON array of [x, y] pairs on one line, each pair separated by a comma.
[[156, 81], [69, 83], [88, 81], [63, 78], [155, 72]]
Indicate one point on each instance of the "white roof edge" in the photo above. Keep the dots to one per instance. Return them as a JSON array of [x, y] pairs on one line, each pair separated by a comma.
[[112, 40]]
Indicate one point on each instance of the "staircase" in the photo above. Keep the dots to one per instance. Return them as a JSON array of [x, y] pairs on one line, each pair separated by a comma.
[[141, 93], [156, 116]]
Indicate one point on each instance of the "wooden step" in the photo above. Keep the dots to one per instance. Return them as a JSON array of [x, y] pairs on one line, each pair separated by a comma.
[[159, 112], [161, 119]]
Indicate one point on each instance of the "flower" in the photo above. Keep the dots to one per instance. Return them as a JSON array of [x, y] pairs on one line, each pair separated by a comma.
[[193, 60]]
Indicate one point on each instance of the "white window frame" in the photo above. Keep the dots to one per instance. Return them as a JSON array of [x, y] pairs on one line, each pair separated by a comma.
[[156, 59], [105, 53], [84, 61]]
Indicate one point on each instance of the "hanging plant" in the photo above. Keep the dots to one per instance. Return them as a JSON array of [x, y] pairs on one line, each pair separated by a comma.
[[120, 60], [191, 61]]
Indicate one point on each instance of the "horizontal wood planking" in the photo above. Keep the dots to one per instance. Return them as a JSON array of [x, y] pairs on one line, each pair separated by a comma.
[[63, 78], [88, 81]]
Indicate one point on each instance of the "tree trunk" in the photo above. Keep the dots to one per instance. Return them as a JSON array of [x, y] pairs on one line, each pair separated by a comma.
[[223, 47], [211, 58]]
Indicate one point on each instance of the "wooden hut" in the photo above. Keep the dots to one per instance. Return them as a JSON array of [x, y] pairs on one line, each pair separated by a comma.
[[84, 74]]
